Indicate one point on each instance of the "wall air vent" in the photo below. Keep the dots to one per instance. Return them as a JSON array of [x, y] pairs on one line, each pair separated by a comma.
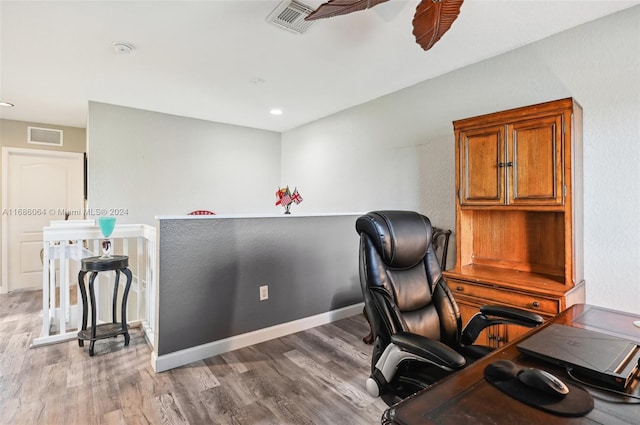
[[290, 15], [44, 136]]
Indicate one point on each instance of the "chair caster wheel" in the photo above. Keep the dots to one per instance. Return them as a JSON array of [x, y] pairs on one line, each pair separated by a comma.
[[373, 388]]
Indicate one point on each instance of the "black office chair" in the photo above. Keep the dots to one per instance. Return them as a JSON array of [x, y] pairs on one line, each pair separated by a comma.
[[418, 334], [440, 243]]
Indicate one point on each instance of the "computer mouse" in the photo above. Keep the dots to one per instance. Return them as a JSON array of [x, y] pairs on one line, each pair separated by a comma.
[[543, 381]]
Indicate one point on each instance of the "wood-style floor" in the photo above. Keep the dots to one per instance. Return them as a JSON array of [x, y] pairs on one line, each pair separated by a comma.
[[312, 377]]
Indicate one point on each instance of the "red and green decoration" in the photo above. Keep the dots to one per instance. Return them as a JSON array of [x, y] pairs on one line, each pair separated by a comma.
[[285, 198]]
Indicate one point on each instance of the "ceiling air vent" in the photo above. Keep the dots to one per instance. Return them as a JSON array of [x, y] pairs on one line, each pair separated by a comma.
[[290, 15], [44, 136]]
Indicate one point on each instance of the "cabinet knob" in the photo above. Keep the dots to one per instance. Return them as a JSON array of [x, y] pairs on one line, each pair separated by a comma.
[[459, 288], [536, 304]]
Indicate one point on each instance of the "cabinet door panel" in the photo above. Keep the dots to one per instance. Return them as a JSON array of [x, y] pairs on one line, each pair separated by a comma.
[[467, 311], [514, 332], [482, 176], [493, 336], [536, 154]]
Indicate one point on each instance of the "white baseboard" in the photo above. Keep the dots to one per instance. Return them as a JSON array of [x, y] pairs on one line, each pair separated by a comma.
[[190, 355], [53, 339]]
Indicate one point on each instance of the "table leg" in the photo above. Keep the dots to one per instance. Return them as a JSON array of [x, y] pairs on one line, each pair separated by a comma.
[[125, 295], [83, 293], [114, 318], [92, 296]]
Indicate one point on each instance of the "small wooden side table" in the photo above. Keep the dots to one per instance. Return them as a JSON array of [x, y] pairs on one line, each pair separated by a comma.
[[117, 263]]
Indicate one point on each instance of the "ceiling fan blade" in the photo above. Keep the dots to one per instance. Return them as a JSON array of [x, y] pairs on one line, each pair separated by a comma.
[[341, 7], [433, 19]]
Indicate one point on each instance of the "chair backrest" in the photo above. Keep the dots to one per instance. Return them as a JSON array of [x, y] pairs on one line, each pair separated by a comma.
[[402, 280], [440, 242]]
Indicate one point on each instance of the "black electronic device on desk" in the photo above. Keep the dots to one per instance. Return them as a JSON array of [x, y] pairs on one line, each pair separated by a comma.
[[608, 359]]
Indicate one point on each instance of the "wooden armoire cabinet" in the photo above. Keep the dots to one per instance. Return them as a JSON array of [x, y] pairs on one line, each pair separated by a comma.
[[519, 212]]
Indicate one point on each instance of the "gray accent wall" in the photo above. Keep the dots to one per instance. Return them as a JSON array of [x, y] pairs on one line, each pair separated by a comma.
[[210, 271]]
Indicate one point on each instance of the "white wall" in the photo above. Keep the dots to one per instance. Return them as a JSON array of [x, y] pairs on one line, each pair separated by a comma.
[[398, 151], [152, 164]]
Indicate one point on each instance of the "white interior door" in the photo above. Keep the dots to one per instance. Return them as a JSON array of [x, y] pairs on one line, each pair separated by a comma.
[[39, 186]]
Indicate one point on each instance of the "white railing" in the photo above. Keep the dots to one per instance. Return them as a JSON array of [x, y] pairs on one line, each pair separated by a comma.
[[65, 243]]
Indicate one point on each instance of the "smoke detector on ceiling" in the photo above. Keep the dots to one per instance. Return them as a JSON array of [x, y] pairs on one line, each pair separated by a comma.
[[122, 48], [290, 15]]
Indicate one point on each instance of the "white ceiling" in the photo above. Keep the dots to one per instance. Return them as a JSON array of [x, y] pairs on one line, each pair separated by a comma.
[[221, 61]]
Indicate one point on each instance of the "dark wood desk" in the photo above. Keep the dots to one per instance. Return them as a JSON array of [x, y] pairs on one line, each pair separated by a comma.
[[466, 398]]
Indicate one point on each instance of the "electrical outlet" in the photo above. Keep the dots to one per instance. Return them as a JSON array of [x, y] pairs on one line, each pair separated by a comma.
[[264, 292]]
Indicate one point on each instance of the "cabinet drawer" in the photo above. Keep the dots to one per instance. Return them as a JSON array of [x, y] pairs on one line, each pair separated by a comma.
[[502, 296]]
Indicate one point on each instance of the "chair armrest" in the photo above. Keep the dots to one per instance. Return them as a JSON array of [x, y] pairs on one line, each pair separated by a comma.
[[499, 315], [526, 318], [407, 346], [429, 349]]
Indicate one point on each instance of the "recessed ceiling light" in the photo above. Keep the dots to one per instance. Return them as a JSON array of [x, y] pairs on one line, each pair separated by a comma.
[[275, 111], [6, 104]]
